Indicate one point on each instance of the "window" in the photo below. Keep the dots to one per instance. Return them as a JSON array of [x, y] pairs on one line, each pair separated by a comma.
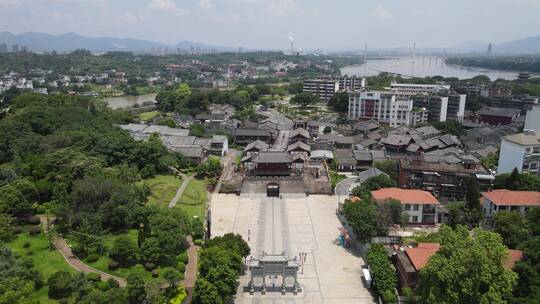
[[407, 207], [415, 219], [415, 207]]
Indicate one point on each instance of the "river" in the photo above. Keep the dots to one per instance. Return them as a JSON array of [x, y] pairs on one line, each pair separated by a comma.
[[129, 101], [422, 67]]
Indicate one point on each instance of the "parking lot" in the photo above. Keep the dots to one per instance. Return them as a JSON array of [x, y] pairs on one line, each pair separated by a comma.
[[300, 223]]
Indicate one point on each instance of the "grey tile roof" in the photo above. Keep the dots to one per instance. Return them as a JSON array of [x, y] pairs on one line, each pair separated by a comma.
[[252, 132], [164, 130], [190, 151], [299, 145], [272, 157], [396, 140], [345, 157], [363, 155], [502, 112], [524, 139], [257, 145], [300, 132]]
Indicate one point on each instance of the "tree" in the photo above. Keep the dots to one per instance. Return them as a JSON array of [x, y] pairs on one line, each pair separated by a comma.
[[390, 212], [304, 99], [124, 251], [327, 130], [468, 268], [211, 167], [15, 290], [533, 218], [528, 270], [172, 276], [340, 102], [206, 293], [183, 91], [362, 216], [458, 214], [135, 289], [389, 167], [12, 201], [230, 241], [512, 226], [384, 274], [27, 189], [197, 130], [472, 198], [6, 227], [60, 285], [373, 183], [296, 87], [517, 181]]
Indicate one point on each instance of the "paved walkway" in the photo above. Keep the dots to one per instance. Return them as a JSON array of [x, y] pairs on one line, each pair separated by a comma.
[[191, 270], [73, 260], [181, 189]]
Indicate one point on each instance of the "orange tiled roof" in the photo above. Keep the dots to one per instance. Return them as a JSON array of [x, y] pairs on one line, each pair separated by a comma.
[[405, 196], [513, 257], [507, 197], [420, 255]]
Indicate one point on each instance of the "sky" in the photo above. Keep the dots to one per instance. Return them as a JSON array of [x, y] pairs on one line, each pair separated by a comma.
[[268, 24]]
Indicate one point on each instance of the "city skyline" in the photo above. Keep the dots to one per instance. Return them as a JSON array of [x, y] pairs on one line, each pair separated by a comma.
[[269, 24]]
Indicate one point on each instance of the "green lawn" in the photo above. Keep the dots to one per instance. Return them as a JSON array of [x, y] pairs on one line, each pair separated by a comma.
[[146, 116], [103, 262], [193, 200], [46, 261], [163, 188]]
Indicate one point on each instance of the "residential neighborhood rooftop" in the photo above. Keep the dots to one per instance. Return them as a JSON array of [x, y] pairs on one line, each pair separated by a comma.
[[507, 197], [405, 196]]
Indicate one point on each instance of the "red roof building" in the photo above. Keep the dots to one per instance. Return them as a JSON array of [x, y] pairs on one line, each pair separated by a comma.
[[420, 205], [503, 199], [412, 260]]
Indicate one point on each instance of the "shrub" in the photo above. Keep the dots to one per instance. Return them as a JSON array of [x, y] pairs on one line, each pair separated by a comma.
[[34, 220], [149, 266], [26, 244], [183, 258], [92, 257], [35, 230], [113, 265], [18, 230], [103, 286], [155, 273], [389, 297], [198, 242], [181, 267], [93, 276], [63, 301], [182, 276], [29, 252], [124, 250], [78, 250], [60, 285], [41, 210]]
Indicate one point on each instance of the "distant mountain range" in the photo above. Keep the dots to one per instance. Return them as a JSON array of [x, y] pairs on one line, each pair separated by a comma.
[[42, 42]]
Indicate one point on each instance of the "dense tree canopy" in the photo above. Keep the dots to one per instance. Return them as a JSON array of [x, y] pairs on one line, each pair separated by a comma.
[[468, 268]]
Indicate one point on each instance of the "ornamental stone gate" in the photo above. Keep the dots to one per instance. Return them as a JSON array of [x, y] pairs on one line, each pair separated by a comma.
[[274, 265]]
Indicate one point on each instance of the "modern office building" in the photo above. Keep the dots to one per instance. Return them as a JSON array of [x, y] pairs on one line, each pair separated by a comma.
[[521, 151], [436, 106], [523, 102], [324, 89], [385, 108]]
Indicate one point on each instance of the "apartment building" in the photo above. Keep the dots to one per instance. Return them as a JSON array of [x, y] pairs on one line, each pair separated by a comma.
[[412, 89], [521, 151], [385, 107], [444, 179], [350, 83], [324, 89]]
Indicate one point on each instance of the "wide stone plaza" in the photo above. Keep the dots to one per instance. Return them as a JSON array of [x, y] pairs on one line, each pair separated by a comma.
[[293, 224]]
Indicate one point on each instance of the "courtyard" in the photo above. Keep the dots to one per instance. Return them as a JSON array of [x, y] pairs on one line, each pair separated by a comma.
[[294, 224]]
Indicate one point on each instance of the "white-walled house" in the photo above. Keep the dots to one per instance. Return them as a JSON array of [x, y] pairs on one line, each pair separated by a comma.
[[421, 206], [508, 200]]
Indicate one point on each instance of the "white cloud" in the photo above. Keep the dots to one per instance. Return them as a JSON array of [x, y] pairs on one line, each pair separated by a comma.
[[381, 13], [167, 6], [206, 4]]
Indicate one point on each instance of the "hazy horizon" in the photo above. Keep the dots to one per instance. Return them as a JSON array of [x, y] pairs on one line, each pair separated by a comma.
[[268, 24]]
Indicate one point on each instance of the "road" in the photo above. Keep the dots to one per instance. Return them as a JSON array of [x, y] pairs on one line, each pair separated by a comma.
[[73, 261], [228, 168], [282, 141]]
